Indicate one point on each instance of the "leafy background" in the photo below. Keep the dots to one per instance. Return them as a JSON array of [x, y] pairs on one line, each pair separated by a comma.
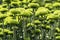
[[29, 19]]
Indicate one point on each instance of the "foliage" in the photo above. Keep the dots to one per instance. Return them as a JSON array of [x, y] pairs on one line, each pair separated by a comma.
[[33, 5], [30, 20], [41, 11]]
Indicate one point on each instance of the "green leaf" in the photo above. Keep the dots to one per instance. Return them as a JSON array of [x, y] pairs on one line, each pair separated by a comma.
[[26, 1], [48, 1], [41, 11], [37, 31], [33, 5], [56, 4], [6, 30], [4, 5], [14, 11], [30, 25], [57, 12], [36, 1], [27, 13], [29, 9], [2, 16], [7, 1], [17, 11], [27, 38], [15, 4], [10, 32], [15, 0], [48, 27], [57, 37], [10, 21], [37, 22], [52, 16], [58, 0], [57, 29], [1, 33], [42, 25], [1, 29], [48, 5], [3, 10], [57, 34], [15, 27]]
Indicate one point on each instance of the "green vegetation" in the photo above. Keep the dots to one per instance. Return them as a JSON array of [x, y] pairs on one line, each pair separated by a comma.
[[29, 19]]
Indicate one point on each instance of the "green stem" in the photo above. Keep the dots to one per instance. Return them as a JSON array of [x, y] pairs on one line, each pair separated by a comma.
[[14, 34], [3, 30]]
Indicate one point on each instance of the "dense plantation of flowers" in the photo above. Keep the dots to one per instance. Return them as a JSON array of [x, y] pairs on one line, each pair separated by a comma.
[[29, 19]]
